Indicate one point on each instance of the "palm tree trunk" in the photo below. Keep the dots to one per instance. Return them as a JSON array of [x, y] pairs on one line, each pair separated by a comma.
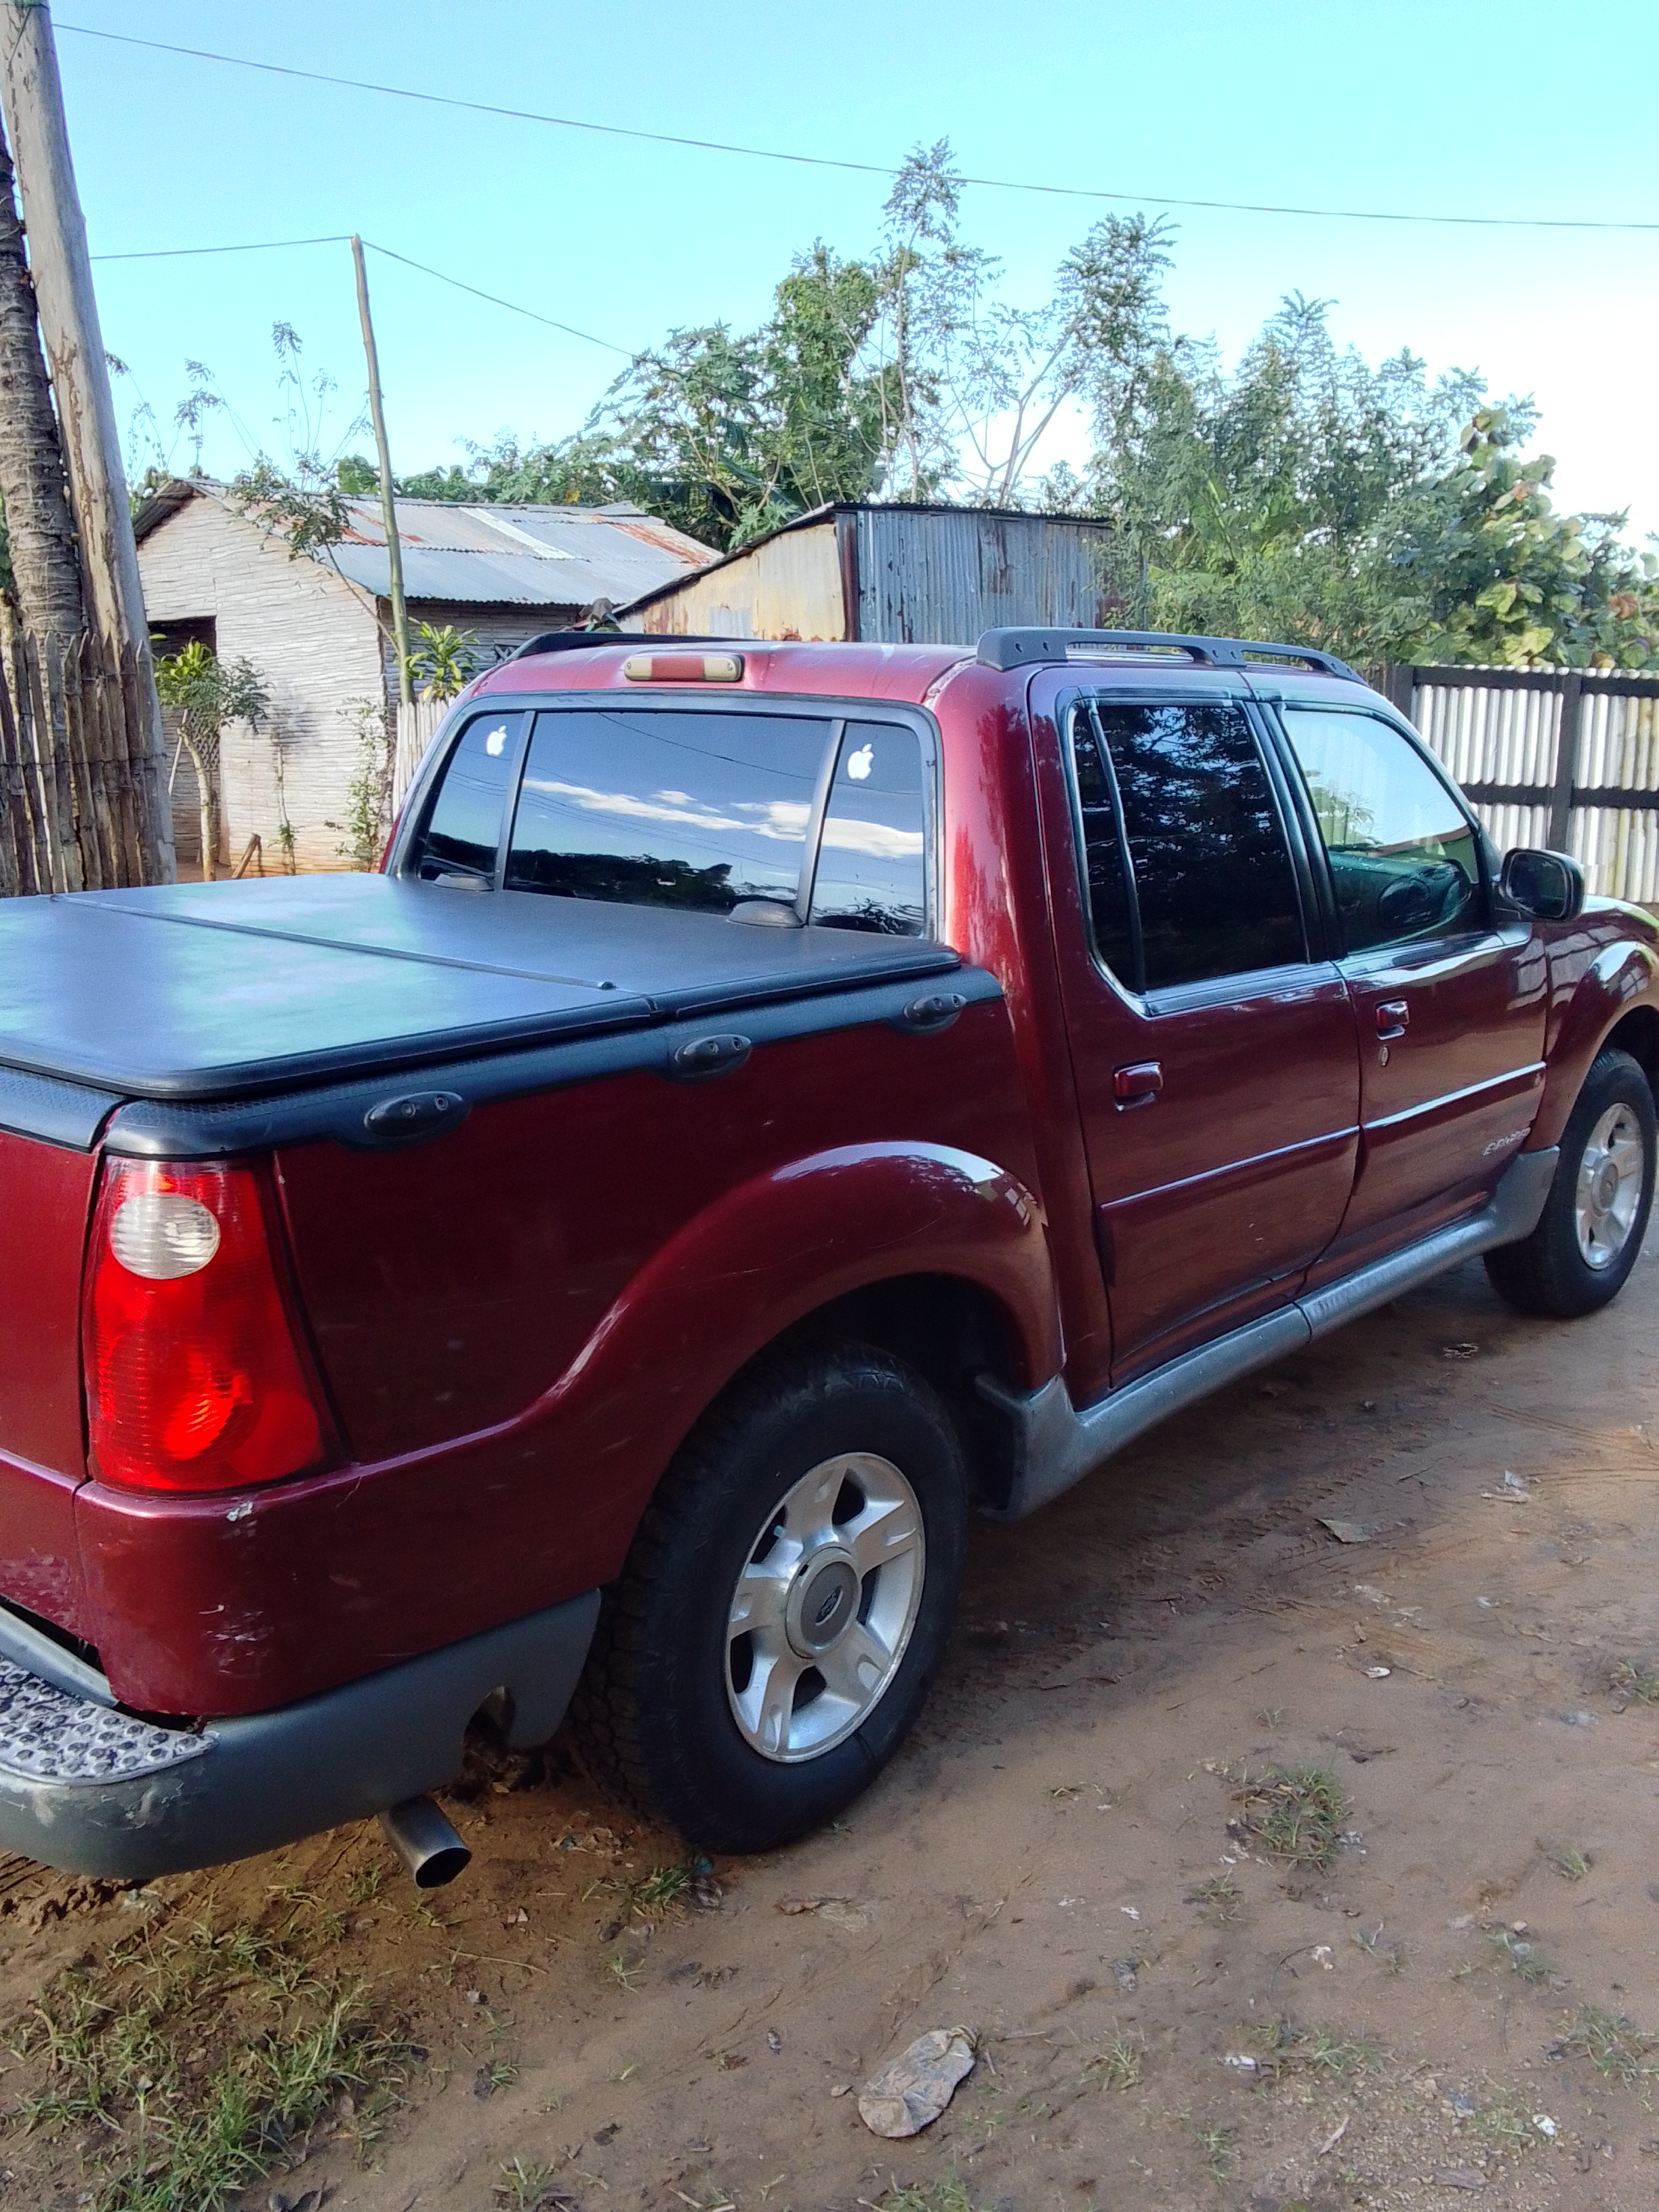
[[45, 560]]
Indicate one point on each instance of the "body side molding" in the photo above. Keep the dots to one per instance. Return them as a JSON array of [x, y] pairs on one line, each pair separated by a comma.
[[1056, 1444]]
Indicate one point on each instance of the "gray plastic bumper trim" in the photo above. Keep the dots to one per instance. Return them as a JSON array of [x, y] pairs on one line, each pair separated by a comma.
[[97, 1791], [1055, 1444]]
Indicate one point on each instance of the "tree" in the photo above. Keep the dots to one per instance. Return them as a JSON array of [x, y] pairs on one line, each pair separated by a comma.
[[42, 568], [205, 693], [723, 434], [1492, 574]]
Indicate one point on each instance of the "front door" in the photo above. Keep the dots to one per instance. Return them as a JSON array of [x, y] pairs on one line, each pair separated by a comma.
[[1214, 1056], [1450, 1000]]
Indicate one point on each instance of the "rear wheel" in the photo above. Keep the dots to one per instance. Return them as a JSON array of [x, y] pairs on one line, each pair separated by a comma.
[[1590, 1234], [784, 1605]]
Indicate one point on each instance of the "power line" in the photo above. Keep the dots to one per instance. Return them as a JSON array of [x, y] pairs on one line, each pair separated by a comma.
[[259, 245], [855, 168], [277, 245], [495, 299]]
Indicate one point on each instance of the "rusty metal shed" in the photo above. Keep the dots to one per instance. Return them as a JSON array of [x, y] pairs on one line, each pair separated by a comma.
[[894, 576]]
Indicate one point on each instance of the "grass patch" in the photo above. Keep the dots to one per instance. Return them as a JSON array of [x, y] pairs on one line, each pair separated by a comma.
[[1503, 2126], [207, 2056], [1116, 2065], [1637, 1685], [1571, 1863], [527, 2185], [1221, 1899], [1323, 2052], [1613, 2045], [950, 2195], [1295, 1812], [1214, 2145], [1390, 1951], [1521, 1954]]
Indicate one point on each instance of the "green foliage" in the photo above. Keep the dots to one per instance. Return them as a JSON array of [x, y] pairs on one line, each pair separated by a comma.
[[444, 660], [1499, 576], [723, 435], [359, 479], [451, 484], [208, 692], [368, 794]]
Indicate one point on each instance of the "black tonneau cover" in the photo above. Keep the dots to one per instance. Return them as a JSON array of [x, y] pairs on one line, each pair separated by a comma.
[[227, 991]]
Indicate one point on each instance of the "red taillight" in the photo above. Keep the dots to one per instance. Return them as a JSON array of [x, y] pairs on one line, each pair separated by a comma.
[[194, 1381]]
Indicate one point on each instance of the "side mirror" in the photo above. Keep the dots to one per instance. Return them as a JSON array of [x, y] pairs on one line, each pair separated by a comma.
[[1549, 886]]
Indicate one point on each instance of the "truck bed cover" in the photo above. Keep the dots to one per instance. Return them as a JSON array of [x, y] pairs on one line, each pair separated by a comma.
[[217, 992]]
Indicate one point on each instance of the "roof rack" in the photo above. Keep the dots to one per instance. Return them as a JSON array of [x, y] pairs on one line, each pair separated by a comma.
[[576, 641], [1020, 648]]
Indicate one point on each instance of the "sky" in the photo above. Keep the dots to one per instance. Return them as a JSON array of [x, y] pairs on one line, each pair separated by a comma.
[[1535, 110]]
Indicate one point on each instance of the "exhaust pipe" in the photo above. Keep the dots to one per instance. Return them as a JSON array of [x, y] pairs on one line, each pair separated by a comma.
[[425, 1842]]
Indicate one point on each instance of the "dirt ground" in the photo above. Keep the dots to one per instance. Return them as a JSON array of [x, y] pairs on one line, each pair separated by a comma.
[[1074, 1858]]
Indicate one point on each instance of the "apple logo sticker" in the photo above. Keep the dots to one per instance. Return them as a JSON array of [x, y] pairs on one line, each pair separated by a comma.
[[859, 763], [495, 742]]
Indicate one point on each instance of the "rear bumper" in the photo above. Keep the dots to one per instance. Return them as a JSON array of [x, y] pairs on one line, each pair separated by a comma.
[[94, 1790]]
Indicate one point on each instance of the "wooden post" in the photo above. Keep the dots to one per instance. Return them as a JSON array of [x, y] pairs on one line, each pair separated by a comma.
[[394, 552], [32, 97], [1566, 760]]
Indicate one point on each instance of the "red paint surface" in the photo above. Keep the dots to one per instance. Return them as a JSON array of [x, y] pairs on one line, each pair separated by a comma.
[[518, 1323]]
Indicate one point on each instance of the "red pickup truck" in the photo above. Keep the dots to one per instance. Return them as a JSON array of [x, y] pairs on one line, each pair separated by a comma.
[[776, 1100]]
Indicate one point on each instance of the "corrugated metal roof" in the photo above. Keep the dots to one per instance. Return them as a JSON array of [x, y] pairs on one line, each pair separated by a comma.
[[530, 557], [563, 556]]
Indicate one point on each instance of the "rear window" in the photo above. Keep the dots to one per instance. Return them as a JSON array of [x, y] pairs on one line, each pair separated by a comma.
[[654, 809], [659, 806]]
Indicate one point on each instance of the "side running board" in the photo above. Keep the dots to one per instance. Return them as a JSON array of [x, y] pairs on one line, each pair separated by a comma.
[[1055, 1444]]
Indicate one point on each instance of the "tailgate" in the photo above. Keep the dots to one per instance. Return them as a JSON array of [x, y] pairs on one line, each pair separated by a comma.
[[45, 1195]]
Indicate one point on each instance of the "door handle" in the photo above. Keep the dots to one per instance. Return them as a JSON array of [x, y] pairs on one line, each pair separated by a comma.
[[1136, 1085], [1392, 1017]]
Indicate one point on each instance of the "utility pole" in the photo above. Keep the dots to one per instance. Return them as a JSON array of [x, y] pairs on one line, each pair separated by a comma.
[[32, 97], [394, 552]]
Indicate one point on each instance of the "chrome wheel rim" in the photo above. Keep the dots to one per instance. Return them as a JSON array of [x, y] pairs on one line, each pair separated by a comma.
[[1611, 1175], [824, 1607]]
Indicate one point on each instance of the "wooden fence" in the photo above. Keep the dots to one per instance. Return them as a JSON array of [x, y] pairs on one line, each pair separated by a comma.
[[415, 729], [1565, 757], [75, 770]]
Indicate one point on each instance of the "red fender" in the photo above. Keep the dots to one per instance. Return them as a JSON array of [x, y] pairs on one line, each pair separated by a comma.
[[205, 1604], [1619, 977]]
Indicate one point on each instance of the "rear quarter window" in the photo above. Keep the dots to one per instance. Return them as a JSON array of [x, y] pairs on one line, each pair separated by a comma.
[[462, 833], [871, 870]]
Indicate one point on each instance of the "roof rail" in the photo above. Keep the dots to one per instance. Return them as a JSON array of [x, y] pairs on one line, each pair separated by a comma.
[[1020, 648], [576, 641]]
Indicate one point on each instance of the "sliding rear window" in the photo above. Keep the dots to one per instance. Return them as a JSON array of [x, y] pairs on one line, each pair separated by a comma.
[[649, 808]]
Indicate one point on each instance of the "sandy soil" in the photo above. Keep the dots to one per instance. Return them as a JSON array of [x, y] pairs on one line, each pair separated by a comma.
[[1033, 1865]]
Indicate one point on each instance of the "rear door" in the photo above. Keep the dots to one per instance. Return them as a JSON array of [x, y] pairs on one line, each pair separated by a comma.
[[1213, 1042], [1449, 999]]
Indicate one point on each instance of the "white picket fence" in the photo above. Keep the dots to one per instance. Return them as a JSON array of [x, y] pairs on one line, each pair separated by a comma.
[[1564, 757]]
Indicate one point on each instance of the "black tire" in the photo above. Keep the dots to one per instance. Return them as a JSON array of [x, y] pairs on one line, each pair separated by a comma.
[[1548, 1272], [655, 1716]]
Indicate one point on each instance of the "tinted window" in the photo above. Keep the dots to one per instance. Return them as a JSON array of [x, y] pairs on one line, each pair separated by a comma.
[[648, 807], [463, 829], [871, 858], [1214, 891], [1403, 858]]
